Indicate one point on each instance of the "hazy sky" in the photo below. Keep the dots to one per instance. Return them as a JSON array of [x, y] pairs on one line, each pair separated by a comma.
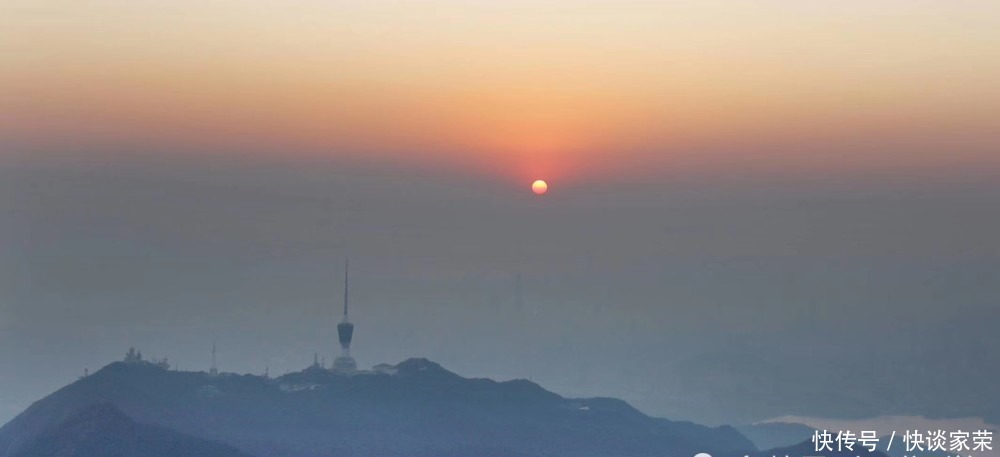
[[757, 209], [519, 88]]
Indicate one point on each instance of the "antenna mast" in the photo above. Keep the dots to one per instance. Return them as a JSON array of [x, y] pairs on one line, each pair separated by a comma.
[[214, 370], [347, 266]]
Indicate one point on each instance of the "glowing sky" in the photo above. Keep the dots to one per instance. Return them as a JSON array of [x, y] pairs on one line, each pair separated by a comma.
[[521, 88], [726, 178]]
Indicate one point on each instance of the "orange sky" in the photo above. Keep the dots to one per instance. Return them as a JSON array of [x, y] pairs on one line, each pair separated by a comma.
[[540, 88]]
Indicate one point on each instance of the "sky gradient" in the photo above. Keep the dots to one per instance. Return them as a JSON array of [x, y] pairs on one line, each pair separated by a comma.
[[735, 187], [553, 88]]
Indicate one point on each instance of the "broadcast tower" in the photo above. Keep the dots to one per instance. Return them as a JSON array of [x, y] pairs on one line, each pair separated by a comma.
[[345, 331]]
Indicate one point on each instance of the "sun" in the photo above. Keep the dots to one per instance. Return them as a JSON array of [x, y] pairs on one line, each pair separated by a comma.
[[539, 187]]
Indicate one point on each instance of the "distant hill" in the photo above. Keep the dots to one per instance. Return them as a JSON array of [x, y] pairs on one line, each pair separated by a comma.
[[104, 431], [807, 448], [413, 409], [771, 435], [780, 437]]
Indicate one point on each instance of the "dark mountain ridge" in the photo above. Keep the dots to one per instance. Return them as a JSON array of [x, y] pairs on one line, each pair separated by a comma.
[[416, 408], [102, 430]]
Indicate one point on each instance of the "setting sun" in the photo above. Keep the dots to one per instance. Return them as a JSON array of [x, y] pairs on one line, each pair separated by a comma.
[[539, 187]]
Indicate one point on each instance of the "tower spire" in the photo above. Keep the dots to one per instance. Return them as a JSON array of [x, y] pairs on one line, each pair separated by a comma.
[[347, 268]]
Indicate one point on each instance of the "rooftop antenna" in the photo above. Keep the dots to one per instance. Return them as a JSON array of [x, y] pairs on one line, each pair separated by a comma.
[[214, 370]]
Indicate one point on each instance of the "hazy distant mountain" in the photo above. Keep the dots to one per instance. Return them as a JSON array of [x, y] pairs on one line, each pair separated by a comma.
[[413, 409], [104, 431], [770, 435], [782, 438], [807, 448]]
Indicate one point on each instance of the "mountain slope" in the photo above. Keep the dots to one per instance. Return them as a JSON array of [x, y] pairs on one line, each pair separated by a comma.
[[416, 408], [807, 448], [104, 431]]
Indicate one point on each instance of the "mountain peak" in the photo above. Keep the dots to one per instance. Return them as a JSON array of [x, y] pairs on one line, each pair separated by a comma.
[[422, 366]]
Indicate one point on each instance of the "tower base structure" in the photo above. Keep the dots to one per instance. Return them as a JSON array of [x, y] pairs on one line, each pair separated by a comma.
[[344, 364]]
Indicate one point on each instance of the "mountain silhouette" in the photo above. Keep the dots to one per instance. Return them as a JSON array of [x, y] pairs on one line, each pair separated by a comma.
[[770, 435], [102, 430], [413, 409], [808, 448]]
